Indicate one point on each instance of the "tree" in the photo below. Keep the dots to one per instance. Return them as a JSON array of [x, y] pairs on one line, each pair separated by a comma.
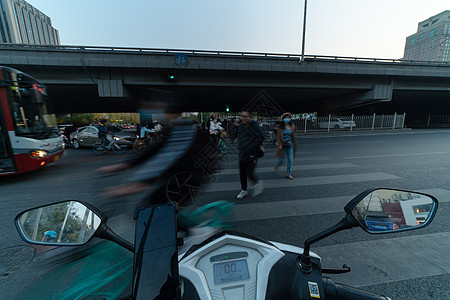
[[69, 221], [78, 119]]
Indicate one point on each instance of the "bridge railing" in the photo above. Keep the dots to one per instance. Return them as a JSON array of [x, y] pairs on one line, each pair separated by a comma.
[[213, 52], [338, 123], [437, 120]]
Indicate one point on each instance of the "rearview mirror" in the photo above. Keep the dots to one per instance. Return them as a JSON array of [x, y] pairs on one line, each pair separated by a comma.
[[388, 210], [65, 223]]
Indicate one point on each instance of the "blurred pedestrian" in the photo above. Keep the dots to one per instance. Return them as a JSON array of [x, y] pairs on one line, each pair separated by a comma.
[[174, 170], [250, 139], [286, 143], [159, 166], [232, 130]]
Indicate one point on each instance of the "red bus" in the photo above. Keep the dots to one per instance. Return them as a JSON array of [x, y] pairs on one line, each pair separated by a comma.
[[29, 138]]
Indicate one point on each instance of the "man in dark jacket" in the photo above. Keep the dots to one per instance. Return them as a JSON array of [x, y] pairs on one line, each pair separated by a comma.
[[250, 138]]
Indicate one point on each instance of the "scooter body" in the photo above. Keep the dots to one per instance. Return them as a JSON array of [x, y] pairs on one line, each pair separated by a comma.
[[227, 265]]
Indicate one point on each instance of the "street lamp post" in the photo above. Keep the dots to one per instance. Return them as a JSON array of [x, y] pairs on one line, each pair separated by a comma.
[[304, 32]]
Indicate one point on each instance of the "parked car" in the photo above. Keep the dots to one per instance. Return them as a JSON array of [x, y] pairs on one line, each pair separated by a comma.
[[337, 123], [379, 222], [87, 136]]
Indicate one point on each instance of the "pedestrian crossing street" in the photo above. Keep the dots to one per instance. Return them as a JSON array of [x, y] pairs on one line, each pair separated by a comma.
[[297, 182], [304, 161], [371, 265]]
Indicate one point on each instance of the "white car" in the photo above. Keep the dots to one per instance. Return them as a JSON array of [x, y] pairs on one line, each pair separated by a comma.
[[337, 123]]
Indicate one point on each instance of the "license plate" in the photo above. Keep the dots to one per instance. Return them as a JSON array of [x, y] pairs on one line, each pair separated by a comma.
[[56, 157]]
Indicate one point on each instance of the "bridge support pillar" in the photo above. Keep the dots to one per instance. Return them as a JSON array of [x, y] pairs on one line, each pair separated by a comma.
[[379, 93], [111, 88]]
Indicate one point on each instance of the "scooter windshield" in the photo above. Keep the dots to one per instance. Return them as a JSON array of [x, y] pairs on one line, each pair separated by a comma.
[[155, 274]]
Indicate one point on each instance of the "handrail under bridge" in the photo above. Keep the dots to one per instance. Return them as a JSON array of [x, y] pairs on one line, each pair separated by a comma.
[[217, 52]]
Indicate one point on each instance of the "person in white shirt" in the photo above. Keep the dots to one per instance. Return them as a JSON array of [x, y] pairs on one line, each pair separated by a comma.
[[144, 131], [215, 130]]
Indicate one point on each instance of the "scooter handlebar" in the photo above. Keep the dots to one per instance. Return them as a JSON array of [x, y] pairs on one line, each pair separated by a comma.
[[343, 292]]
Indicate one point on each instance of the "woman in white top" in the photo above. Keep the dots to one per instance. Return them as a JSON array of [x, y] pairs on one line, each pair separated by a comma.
[[215, 129]]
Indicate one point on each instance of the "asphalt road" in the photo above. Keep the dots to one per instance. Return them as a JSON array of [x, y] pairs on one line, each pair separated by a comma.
[[329, 170]]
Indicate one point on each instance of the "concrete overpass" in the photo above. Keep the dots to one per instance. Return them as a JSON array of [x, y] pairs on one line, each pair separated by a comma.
[[100, 79]]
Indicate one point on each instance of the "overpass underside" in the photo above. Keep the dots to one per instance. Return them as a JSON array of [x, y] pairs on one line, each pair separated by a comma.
[[90, 90], [306, 97]]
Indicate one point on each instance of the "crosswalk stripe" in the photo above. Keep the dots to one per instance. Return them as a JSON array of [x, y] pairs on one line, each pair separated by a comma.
[[273, 159], [291, 208], [397, 155], [294, 168], [304, 207], [391, 259], [305, 181]]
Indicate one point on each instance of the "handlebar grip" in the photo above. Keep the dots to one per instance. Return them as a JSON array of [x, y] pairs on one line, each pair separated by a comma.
[[343, 292]]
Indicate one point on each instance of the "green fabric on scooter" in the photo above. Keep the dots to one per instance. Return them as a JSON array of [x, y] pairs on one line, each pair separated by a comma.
[[104, 271], [216, 214]]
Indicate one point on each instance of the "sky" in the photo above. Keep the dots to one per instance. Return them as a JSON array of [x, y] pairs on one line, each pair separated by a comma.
[[353, 28]]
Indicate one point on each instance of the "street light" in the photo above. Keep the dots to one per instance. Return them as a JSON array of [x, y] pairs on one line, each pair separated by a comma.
[[304, 32]]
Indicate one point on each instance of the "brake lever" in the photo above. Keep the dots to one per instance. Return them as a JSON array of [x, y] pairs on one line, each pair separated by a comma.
[[345, 269]]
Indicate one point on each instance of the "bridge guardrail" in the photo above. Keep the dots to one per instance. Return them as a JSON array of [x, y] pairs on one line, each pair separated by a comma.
[[220, 53]]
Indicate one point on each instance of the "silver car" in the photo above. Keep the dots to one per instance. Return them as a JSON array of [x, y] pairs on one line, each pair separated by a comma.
[[337, 123], [88, 136]]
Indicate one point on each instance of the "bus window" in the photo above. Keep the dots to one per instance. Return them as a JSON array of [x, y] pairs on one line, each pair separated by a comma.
[[3, 151], [6, 159], [30, 110]]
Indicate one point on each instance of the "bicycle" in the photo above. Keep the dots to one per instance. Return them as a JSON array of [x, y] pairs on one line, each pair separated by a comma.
[[140, 145], [222, 144], [99, 148]]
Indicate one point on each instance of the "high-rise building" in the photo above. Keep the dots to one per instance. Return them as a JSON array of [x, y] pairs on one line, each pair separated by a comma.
[[432, 40], [21, 23]]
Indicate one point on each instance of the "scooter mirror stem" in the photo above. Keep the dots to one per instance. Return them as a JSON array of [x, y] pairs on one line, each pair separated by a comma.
[[304, 261], [107, 234]]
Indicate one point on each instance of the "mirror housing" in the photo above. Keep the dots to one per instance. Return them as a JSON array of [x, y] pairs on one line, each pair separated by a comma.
[[66, 223], [411, 210], [391, 210]]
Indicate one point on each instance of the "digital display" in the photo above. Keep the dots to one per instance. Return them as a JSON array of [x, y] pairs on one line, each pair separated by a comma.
[[231, 271]]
